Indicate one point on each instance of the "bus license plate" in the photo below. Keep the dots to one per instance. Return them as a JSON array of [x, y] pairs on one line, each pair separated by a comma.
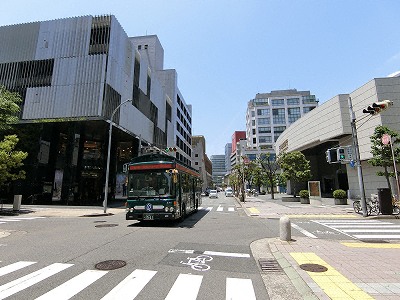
[[148, 217]]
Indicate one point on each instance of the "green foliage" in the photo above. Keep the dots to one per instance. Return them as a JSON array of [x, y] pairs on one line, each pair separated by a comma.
[[9, 108], [10, 160], [304, 194], [269, 168], [294, 167], [382, 154], [339, 194]]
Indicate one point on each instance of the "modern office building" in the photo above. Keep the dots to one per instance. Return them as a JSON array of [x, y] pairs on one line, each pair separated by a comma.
[[218, 169], [329, 126], [269, 114], [201, 162], [72, 74], [228, 153]]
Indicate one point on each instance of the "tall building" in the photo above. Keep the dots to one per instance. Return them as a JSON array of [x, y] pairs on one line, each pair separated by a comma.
[[72, 74], [269, 114], [237, 136], [218, 169], [228, 153], [201, 162]]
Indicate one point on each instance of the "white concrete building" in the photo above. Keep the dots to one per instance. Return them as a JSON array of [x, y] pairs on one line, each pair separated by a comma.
[[269, 114], [329, 126]]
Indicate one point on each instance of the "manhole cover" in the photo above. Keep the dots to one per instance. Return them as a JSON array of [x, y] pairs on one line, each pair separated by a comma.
[[106, 225], [313, 268], [110, 265], [269, 265]]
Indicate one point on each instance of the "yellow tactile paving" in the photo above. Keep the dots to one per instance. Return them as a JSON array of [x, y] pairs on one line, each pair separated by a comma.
[[253, 210], [376, 246], [335, 285]]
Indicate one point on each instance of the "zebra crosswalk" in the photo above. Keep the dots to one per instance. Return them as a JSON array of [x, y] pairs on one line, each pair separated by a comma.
[[364, 229], [218, 209], [4, 220], [185, 286]]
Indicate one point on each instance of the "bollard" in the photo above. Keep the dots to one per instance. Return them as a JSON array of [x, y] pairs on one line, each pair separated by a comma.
[[285, 229], [17, 202]]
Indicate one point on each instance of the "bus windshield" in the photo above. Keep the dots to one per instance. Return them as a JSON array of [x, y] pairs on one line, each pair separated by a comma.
[[150, 183]]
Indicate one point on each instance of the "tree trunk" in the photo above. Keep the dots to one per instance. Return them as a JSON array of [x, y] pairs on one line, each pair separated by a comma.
[[387, 179]]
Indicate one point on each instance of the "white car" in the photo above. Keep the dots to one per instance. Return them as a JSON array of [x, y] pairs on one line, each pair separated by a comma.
[[228, 192], [213, 194]]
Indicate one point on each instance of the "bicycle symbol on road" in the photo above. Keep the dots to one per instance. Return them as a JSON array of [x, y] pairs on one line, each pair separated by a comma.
[[198, 263]]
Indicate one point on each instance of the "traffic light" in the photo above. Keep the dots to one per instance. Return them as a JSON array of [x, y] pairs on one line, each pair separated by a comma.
[[331, 155], [377, 107], [341, 154], [170, 149]]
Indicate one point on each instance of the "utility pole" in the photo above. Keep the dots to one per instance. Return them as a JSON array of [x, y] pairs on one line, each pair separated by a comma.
[[358, 160]]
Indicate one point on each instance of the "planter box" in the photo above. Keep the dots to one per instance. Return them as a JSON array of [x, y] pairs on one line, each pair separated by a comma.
[[305, 200], [340, 201]]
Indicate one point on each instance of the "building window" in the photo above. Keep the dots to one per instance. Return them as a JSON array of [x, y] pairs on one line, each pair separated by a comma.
[[196, 163], [264, 121], [253, 113], [308, 109], [264, 129], [254, 140], [278, 115], [265, 139], [293, 101], [278, 102], [254, 131], [139, 47], [253, 122], [293, 114], [278, 131], [263, 112]]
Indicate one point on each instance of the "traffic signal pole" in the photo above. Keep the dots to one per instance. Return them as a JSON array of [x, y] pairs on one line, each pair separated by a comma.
[[358, 160]]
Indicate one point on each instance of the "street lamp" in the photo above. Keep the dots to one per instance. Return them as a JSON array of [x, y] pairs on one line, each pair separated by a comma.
[[108, 153]]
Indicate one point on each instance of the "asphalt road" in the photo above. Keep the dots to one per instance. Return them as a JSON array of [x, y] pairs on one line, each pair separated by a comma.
[[207, 256]]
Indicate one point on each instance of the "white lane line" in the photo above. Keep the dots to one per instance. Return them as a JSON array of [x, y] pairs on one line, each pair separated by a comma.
[[27, 218], [303, 231], [220, 208], [209, 208], [131, 286], [10, 220], [186, 287], [367, 226], [239, 289], [372, 230], [231, 209], [377, 236], [22, 283], [73, 286], [228, 254], [15, 266]]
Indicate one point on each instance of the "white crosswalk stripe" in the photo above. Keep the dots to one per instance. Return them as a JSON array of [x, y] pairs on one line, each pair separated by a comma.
[[22, 283], [185, 287], [219, 208], [4, 220], [364, 229]]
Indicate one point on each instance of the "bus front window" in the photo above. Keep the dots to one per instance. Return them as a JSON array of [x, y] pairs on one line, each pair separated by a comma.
[[150, 184]]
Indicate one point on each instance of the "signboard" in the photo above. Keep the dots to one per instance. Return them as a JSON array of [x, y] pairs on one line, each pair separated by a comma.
[[314, 189], [386, 139]]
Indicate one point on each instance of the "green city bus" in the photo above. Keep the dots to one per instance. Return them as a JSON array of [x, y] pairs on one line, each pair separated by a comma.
[[161, 188]]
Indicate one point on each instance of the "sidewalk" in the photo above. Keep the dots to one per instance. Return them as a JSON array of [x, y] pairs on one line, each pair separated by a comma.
[[321, 268]]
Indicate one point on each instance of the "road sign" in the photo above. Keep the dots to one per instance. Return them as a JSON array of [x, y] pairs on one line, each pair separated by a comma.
[[386, 139]]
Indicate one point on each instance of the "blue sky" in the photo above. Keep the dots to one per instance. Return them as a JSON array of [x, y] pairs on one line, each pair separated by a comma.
[[227, 51]]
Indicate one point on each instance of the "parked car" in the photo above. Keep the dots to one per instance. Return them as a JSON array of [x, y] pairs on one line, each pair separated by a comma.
[[213, 194]]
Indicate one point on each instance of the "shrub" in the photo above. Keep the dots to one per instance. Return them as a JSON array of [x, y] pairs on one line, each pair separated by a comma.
[[304, 194], [339, 194]]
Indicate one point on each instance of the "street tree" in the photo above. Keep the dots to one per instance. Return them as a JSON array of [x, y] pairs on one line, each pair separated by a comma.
[[295, 167], [270, 169], [382, 154], [11, 160]]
